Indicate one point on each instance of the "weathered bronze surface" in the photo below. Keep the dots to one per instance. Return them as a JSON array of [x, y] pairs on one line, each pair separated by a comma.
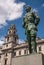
[[30, 22]]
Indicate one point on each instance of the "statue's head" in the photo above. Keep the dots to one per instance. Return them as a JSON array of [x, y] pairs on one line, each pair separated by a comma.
[[28, 8]]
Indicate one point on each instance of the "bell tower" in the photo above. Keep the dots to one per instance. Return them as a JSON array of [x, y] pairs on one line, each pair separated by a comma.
[[8, 47], [11, 35]]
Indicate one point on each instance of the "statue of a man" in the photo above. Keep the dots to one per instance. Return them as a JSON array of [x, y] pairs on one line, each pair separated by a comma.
[[30, 22]]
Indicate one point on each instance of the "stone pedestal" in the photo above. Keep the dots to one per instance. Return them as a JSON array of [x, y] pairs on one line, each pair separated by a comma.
[[32, 59]]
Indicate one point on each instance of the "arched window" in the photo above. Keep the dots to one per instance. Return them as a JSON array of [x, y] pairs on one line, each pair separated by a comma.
[[9, 32]]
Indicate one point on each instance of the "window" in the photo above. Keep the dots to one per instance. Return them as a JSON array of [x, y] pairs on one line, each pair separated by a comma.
[[15, 38], [6, 45], [5, 61], [24, 51], [9, 32], [8, 39], [14, 32], [6, 54], [19, 52], [0, 56], [14, 53], [40, 48]]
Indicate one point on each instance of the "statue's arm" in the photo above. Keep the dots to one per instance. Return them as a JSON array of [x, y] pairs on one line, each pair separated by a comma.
[[37, 19], [23, 23]]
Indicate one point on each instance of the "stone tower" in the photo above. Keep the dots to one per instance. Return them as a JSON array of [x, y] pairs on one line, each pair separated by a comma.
[[8, 47], [11, 36]]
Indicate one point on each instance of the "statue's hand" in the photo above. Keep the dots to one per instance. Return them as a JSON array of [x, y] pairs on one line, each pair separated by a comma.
[[37, 21]]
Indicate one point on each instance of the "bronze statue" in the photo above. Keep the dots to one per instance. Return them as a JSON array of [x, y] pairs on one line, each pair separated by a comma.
[[30, 22]]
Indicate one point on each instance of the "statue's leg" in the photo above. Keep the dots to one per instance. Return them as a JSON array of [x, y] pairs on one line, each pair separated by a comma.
[[29, 41], [33, 41], [33, 44]]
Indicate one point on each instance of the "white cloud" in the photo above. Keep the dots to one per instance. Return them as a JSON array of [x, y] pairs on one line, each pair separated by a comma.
[[20, 41], [1, 42], [42, 5], [10, 10]]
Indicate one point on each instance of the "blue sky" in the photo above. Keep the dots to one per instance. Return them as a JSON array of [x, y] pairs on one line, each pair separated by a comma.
[[12, 12]]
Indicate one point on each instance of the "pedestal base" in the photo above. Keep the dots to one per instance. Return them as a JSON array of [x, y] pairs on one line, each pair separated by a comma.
[[32, 59]]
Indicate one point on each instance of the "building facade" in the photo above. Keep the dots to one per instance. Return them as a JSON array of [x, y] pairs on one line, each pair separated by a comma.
[[12, 49]]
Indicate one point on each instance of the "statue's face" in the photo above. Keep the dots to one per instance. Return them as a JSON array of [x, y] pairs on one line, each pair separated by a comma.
[[28, 8]]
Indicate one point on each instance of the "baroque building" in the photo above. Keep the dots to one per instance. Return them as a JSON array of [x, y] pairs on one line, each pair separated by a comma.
[[12, 49]]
